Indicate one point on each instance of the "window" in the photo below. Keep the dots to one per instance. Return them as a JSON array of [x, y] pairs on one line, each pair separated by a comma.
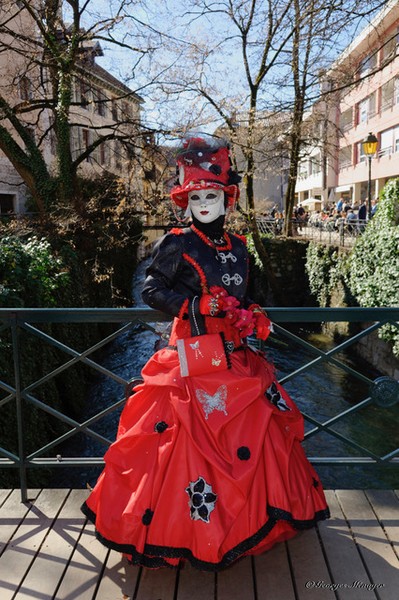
[[118, 154], [396, 90], [314, 166], [366, 109], [100, 100], [396, 139], [345, 157], [389, 141], [367, 65], [6, 203], [84, 93], [387, 94], [386, 140], [346, 119], [86, 142], [103, 154], [25, 88], [390, 47], [114, 110]]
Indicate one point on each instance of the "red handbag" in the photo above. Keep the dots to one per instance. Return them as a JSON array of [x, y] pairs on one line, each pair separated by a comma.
[[202, 353]]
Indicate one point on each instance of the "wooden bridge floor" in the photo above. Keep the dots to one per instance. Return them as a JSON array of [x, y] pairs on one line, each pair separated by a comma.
[[48, 551]]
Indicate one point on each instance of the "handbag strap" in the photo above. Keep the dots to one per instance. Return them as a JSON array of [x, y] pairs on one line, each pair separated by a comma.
[[197, 321]]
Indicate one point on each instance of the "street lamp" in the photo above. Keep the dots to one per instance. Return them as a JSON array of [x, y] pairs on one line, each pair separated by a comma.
[[369, 148]]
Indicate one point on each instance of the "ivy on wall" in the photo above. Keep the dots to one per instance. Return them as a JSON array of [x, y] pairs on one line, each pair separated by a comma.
[[373, 273], [322, 267], [370, 272]]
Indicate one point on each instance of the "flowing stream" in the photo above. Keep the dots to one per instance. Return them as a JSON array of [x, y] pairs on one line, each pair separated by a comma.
[[320, 393]]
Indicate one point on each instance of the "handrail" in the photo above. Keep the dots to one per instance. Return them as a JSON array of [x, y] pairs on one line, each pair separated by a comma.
[[17, 322], [341, 233]]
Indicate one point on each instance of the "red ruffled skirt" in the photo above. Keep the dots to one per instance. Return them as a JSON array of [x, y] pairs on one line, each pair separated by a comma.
[[207, 468]]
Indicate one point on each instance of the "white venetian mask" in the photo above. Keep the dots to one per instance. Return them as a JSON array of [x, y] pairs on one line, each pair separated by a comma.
[[206, 205]]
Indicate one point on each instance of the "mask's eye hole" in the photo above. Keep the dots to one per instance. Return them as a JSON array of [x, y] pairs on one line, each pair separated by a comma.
[[194, 197], [211, 196]]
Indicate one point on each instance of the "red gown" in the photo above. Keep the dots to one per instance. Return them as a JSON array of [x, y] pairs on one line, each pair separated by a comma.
[[207, 468]]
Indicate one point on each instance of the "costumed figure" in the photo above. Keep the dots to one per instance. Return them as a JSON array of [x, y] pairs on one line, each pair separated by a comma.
[[207, 466]]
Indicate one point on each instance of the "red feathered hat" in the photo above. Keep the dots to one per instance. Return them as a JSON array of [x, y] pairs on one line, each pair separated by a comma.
[[203, 161]]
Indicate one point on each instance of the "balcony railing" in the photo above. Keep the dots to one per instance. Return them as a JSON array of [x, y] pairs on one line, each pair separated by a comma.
[[17, 325]]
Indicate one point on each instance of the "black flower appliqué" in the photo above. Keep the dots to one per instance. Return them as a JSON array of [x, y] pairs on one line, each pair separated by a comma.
[[202, 500], [160, 427], [147, 517], [273, 394], [244, 453]]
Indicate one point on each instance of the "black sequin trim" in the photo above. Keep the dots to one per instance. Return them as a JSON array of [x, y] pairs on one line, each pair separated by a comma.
[[244, 453], [147, 517], [160, 426], [153, 555]]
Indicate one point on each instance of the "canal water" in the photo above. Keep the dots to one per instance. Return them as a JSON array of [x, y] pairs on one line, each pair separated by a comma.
[[320, 393]]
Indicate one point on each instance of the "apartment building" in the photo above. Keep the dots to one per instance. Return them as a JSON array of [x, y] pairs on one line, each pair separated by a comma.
[[368, 102], [101, 106]]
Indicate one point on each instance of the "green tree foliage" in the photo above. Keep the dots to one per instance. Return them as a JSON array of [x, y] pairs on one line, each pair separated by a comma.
[[30, 272]]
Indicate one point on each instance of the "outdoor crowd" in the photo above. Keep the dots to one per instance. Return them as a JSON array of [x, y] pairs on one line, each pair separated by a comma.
[[340, 216]]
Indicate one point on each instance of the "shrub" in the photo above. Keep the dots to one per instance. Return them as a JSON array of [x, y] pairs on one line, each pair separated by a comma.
[[373, 269]]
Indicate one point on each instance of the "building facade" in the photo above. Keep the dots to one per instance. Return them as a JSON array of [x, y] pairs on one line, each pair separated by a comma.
[[367, 77], [102, 107]]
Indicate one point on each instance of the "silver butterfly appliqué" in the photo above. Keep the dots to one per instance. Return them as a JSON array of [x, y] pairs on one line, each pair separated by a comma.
[[213, 402]]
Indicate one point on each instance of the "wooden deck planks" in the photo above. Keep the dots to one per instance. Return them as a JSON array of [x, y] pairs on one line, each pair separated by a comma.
[[27, 539], [47, 570], [236, 582], [196, 585], [157, 584], [308, 564], [4, 495], [385, 504], [119, 579], [12, 512], [47, 552], [344, 560], [273, 575], [376, 551], [84, 569]]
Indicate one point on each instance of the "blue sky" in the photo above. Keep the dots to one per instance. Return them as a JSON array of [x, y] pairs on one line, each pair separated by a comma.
[[169, 61]]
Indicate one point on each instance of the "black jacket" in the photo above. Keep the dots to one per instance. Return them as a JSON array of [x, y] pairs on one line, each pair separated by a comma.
[[171, 277]]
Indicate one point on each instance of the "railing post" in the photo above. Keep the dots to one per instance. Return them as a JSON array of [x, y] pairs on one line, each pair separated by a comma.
[[20, 416]]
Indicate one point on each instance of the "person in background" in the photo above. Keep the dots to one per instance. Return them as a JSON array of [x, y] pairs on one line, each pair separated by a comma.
[[374, 206], [340, 204]]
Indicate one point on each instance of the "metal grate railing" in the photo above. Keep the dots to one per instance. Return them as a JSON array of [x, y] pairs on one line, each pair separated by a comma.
[[17, 324], [340, 233]]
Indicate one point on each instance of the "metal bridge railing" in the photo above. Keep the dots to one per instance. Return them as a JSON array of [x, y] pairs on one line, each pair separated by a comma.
[[338, 233], [17, 324]]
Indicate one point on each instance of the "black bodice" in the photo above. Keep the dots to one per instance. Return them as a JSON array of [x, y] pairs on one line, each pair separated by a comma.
[[182, 259]]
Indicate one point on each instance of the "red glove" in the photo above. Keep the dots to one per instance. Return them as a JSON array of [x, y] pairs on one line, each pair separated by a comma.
[[263, 325], [209, 305]]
